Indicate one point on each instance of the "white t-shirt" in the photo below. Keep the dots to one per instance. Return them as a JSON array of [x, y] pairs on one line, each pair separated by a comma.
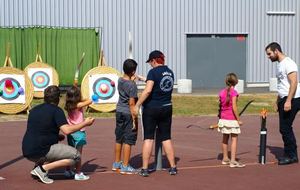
[[285, 67]]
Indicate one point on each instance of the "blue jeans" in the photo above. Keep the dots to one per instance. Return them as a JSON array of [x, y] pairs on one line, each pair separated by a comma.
[[286, 120]]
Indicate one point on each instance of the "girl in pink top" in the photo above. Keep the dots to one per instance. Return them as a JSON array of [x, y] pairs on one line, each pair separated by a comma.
[[74, 106], [229, 120]]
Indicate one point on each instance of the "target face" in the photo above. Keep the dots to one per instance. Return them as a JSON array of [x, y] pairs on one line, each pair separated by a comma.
[[105, 87], [41, 78], [10, 94]]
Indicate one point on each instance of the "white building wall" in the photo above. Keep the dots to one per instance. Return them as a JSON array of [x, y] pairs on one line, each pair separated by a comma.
[[163, 24]]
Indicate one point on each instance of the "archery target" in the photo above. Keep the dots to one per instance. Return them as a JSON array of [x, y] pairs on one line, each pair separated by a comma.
[[41, 78], [12, 95], [105, 86]]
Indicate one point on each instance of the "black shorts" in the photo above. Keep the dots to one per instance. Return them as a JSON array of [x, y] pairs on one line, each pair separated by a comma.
[[161, 118], [124, 133]]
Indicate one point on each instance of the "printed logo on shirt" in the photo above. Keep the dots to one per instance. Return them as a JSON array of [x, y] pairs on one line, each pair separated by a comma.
[[280, 75], [166, 83]]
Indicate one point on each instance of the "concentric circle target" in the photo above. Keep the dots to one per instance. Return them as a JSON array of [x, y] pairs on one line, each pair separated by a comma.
[[10, 94], [40, 79], [103, 88]]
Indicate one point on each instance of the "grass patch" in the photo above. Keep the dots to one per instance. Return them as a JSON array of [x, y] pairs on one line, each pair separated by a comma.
[[209, 105], [190, 105]]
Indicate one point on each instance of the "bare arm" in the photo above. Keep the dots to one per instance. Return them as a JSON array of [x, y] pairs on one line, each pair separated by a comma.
[[141, 78], [68, 129], [134, 116], [292, 77], [138, 78], [84, 103]]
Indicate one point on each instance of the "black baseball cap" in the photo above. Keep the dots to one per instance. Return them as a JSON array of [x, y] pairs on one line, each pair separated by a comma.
[[155, 54]]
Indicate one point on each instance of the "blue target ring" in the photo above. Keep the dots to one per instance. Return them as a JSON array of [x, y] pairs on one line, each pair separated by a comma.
[[7, 94], [103, 88], [40, 79]]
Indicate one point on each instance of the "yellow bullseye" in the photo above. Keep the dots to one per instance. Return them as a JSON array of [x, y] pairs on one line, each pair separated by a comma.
[[103, 88], [40, 79], [9, 90]]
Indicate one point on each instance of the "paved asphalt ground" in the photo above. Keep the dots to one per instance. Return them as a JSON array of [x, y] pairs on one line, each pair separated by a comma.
[[198, 156]]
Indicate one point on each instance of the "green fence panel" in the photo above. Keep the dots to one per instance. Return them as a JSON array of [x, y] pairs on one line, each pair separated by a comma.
[[60, 48]]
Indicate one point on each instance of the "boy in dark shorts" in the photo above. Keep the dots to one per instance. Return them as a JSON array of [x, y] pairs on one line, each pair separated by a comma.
[[126, 121]]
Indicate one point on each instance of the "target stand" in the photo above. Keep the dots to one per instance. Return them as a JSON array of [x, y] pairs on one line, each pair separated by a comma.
[[18, 96], [41, 75], [101, 81]]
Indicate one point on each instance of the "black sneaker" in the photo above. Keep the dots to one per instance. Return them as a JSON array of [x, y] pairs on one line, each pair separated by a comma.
[[287, 160], [144, 172], [173, 171]]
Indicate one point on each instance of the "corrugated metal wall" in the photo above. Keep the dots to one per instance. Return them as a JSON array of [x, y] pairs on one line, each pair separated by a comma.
[[163, 24]]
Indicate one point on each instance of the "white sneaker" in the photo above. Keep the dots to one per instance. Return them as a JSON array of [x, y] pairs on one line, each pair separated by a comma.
[[225, 162], [235, 164], [37, 171], [81, 177]]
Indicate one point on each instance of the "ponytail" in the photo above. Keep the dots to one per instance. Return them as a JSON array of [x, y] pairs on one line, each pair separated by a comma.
[[228, 95]]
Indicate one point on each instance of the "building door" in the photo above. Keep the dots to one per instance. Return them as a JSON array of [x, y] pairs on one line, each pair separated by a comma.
[[210, 57]]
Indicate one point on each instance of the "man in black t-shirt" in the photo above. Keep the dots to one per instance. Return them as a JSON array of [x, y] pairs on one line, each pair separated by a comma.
[[40, 142]]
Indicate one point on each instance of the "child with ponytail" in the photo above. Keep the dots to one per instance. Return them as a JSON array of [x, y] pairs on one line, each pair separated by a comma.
[[229, 120]]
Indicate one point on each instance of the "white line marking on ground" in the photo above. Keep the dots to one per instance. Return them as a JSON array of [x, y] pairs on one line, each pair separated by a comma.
[[220, 166], [180, 168]]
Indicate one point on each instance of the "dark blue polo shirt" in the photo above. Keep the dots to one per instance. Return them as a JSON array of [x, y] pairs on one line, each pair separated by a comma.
[[161, 93]]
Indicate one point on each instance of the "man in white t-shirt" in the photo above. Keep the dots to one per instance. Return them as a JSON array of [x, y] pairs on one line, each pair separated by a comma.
[[288, 101]]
